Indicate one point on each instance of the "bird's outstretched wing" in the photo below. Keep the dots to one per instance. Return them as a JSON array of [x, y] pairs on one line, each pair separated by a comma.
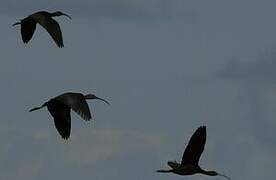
[[27, 29], [77, 102], [82, 109], [52, 28], [195, 147], [62, 118]]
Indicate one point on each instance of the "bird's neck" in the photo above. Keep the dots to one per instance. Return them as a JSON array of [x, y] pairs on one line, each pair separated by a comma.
[[209, 173], [55, 14]]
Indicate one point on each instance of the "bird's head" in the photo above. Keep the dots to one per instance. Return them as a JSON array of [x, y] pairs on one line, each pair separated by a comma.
[[59, 13], [92, 96], [212, 173]]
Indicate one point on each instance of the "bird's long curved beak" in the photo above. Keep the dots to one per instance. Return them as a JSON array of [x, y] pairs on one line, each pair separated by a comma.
[[67, 15], [103, 100], [224, 176]]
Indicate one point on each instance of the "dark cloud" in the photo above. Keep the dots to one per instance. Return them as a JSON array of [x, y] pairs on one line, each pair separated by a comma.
[[257, 79], [261, 69], [77, 156]]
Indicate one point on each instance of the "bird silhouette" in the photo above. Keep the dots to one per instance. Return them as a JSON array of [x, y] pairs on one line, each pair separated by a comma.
[[189, 164], [60, 106], [45, 19]]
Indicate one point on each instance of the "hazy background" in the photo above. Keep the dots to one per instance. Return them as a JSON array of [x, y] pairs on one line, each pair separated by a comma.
[[166, 66]]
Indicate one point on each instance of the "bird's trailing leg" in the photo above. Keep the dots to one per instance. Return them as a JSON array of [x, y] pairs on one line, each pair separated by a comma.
[[164, 171], [37, 108], [17, 23]]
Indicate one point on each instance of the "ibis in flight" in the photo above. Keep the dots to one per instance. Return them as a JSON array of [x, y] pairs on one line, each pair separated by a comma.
[[45, 19], [60, 107], [189, 164]]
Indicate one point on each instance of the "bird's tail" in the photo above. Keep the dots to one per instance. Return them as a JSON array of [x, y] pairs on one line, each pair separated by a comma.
[[17, 23], [173, 164]]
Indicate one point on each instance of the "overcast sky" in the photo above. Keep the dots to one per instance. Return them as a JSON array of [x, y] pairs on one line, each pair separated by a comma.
[[166, 67]]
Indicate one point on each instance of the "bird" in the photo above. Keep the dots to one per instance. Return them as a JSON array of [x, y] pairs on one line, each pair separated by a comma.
[[45, 19], [60, 108], [189, 164]]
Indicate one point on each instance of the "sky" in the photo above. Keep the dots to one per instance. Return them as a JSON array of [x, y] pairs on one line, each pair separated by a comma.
[[166, 66]]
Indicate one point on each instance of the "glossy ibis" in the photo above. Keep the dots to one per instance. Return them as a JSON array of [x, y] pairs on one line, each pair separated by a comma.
[[60, 106], [189, 164], [45, 19]]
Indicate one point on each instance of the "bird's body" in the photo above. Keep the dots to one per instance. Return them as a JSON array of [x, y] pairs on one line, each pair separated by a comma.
[[60, 107], [187, 170], [183, 170], [44, 18], [189, 164]]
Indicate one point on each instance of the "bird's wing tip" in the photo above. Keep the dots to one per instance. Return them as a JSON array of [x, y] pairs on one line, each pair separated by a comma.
[[202, 127], [65, 137]]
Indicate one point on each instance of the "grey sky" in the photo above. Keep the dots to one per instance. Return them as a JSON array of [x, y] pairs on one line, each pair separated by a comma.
[[166, 66]]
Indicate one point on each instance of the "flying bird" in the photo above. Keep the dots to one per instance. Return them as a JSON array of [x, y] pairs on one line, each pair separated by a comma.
[[60, 107], [189, 164], [45, 19]]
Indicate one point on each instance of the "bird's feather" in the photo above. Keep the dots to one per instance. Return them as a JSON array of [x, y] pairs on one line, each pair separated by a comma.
[[77, 102], [28, 27], [82, 109], [195, 147], [62, 118], [51, 26]]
